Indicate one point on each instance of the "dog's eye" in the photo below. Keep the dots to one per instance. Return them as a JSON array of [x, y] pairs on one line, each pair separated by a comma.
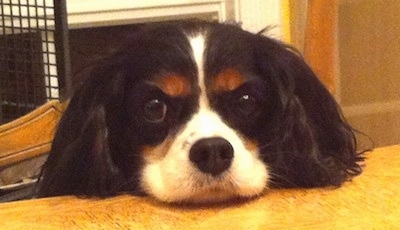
[[154, 111], [246, 105]]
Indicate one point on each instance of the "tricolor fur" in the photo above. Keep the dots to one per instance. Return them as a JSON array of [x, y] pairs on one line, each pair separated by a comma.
[[199, 112]]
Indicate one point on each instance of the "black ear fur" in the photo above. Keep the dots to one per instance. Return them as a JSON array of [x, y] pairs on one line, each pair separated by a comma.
[[309, 142], [81, 161]]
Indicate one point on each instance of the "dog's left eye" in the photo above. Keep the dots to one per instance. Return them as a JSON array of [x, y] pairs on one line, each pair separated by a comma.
[[246, 105], [154, 111]]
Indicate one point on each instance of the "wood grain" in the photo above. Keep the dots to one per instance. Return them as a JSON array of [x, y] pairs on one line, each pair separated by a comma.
[[370, 201]]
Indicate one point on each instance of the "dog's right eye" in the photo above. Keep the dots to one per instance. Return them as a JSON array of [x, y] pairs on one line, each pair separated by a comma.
[[245, 105], [154, 111]]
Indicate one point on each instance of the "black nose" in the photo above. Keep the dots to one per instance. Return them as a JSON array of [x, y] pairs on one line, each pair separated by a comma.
[[212, 155]]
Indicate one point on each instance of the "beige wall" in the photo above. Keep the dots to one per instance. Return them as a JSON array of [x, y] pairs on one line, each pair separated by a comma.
[[369, 67]]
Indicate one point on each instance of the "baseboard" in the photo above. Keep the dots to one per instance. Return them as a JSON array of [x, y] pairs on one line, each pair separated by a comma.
[[371, 108]]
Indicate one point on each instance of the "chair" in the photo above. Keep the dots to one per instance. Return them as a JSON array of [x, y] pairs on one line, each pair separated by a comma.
[[24, 144]]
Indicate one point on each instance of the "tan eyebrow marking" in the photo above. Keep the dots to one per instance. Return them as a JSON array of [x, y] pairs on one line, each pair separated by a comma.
[[174, 85], [228, 80]]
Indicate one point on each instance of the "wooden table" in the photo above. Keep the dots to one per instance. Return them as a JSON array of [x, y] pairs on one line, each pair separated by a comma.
[[370, 201]]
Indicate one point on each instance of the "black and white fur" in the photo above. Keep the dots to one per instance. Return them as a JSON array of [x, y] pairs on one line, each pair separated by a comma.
[[199, 112]]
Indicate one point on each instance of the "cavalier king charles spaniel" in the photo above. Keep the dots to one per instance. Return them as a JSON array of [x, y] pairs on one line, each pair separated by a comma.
[[199, 112]]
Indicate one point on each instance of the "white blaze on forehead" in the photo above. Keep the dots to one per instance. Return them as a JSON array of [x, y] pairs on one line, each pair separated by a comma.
[[198, 44], [206, 122]]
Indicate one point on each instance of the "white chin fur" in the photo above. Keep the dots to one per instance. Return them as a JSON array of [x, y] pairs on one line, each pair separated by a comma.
[[191, 188]]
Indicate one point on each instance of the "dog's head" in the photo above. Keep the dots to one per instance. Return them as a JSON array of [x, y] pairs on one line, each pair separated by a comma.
[[199, 112]]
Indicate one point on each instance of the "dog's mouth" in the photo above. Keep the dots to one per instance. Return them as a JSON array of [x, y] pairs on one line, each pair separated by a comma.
[[211, 196], [211, 193], [206, 188]]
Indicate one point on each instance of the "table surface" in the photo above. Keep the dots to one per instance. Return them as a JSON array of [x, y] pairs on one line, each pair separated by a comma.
[[369, 201]]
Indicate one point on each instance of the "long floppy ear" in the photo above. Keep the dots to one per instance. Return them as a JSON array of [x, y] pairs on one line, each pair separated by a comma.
[[80, 161], [309, 142]]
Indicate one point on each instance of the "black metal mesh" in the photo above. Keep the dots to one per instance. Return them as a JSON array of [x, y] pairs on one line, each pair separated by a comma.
[[28, 62]]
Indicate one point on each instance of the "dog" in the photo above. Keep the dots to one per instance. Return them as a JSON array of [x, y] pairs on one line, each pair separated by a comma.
[[199, 112]]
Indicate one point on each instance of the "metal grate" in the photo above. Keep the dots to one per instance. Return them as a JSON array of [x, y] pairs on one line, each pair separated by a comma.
[[31, 71]]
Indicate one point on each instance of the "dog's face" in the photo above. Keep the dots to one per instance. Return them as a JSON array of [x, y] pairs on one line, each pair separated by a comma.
[[199, 112], [195, 122]]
